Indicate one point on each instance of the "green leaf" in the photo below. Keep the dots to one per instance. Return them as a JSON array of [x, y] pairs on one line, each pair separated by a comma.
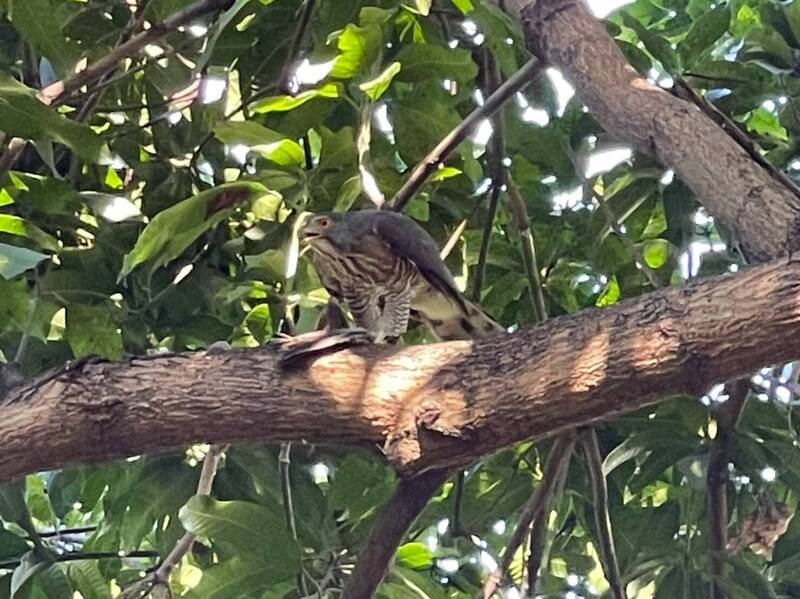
[[763, 122], [259, 322], [358, 49], [656, 253], [11, 545], [285, 103], [88, 580], [425, 61], [375, 88], [22, 115], [348, 193], [465, 6], [14, 225], [238, 578], [283, 153], [16, 260], [91, 331], [704, 32], [38, 22], [444, 172], [415, 555], [248, 133], [245, 528], [173, 229], [610, 295], [30, 565], [659, 47], [267, 206]]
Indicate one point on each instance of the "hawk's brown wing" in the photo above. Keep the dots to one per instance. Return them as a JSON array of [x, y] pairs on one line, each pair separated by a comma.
[[410, 241]]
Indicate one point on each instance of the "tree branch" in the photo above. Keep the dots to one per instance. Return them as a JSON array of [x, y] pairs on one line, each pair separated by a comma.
[[450, 142], [535, 507], [397, 516], [726, 416], [740, 193], [430, 406], [106, 64], [602, 519]]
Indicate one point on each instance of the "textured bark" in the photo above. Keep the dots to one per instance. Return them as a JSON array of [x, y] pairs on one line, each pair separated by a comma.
[[760, 211], [430, 406]]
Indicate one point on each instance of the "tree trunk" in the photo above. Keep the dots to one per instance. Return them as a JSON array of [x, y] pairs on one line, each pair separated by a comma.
[[761, 212]]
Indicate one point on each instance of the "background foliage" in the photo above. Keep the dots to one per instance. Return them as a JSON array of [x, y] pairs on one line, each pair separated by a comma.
[[158, 212]]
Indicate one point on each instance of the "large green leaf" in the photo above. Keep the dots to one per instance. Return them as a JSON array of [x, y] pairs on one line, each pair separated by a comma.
[[245, 527], [238, 578], [704, 32], [92, 331], [425, 61], [22, 115], [173, 229], [37, 21], [270, 144]]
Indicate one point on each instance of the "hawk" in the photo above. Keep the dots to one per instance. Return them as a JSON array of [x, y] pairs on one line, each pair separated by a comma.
[[386, 268]]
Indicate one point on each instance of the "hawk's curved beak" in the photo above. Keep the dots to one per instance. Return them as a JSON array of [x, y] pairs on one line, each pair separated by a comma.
[[310, 231]]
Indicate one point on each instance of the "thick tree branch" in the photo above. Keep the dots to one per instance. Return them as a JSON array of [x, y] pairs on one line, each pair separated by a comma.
[[740, 193], [397, 516], [430, 406]]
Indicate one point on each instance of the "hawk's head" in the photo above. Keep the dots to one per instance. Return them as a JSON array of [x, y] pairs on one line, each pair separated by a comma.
[[318, 226]]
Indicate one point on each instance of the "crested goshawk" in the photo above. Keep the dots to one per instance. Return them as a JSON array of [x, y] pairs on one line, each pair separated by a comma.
[[385, 268]]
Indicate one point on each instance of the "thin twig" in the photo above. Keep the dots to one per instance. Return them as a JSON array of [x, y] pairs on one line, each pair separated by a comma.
[[297, 39], [535, 554], [453, 239], [684, 91], [494, 159], [88, 555], [602, 519], [519, 214], [363, 140], [109, 62], [204, 484], [431, 162], [535, 507], [67, 531], [409, 499], [284, 462], [635, 252], [727, 415]]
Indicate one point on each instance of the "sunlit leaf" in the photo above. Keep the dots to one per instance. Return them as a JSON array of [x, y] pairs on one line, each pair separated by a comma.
[[375, 88]]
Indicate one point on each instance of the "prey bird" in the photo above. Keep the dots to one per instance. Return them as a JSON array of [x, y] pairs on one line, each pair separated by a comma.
[[386, 268]]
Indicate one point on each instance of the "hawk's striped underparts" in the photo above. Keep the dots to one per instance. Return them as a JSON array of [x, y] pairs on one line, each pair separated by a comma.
[[385, 268]]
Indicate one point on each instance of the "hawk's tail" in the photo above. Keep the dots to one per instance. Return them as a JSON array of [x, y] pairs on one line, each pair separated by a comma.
[[469, 322]]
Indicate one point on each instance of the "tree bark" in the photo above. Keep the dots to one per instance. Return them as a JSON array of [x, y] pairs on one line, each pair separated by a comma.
[[757, 208], [430, 406]]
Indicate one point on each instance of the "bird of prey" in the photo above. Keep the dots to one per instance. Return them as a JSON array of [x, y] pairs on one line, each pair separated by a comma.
[[385, 268]]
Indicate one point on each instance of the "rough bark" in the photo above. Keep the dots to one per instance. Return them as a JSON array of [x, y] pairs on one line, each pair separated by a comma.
[[429, 406], [760, 211]]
